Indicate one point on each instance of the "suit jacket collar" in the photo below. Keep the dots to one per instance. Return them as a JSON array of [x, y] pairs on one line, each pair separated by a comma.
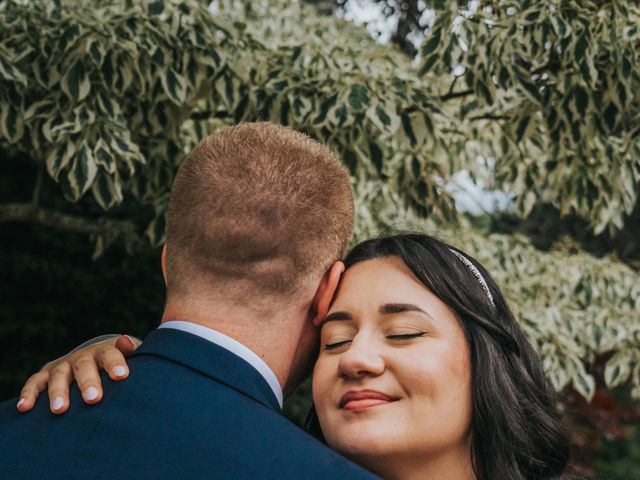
[[210, 360]]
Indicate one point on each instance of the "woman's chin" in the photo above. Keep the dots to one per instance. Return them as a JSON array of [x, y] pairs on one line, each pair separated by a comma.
[[366, 453], [361, 443]]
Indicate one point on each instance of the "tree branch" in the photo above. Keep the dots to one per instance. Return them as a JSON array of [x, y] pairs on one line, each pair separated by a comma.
[[450, 95], [453, 85], [491, 117], [484, 21], [30, 213], [208, 114], [35, 199], [123, 230], [541, 69]]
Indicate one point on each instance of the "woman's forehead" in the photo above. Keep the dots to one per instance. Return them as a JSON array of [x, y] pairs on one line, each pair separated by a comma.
[[381, 281], [379, 271]]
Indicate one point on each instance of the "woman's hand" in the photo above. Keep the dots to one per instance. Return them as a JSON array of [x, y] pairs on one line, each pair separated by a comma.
[[81, 365]]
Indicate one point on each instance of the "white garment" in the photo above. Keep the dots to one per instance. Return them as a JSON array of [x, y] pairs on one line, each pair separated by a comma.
[[234, 347]]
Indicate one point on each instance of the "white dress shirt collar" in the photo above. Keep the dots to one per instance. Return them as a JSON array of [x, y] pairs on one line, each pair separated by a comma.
[[234, 347]]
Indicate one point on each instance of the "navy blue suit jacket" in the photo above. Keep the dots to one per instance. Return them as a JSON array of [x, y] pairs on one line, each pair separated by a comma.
[[190, 409]]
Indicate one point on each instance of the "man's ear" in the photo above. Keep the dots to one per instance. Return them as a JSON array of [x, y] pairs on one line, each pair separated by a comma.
[[326, 291], [163, 262]]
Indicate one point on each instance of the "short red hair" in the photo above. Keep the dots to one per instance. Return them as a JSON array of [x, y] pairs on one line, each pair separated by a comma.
[[257, 204]]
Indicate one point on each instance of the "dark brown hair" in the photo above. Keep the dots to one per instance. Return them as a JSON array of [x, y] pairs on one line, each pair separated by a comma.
[[515, 430]]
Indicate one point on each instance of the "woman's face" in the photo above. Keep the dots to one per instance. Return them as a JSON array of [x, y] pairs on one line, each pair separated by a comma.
[[393, 376]]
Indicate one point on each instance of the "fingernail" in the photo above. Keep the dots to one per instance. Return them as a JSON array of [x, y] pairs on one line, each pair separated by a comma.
[[119, 371], [22, 400], [131, 340], [91, 393], [58, 403]]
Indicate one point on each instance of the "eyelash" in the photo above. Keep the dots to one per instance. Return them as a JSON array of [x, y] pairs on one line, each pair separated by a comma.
[[407, 336], [333, 346], [404, 336]]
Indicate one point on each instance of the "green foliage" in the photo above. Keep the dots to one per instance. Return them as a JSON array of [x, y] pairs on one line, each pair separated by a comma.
[[620, 458], [549, 91], [106, 97]]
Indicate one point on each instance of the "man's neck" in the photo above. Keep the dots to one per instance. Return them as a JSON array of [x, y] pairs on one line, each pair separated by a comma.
[[274, 340]]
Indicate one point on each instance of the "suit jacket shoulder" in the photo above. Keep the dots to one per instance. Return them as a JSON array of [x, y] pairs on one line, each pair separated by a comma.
[[189, 409]]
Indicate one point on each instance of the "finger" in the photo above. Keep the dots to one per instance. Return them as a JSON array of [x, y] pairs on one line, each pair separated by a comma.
[[32, 389], [127, 345], [85, 370], [112, 360], [59, 381]]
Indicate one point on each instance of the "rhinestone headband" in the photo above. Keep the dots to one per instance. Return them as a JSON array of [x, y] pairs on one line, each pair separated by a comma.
[[476, 273]]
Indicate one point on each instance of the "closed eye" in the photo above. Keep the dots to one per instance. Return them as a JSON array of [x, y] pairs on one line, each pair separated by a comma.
[[406, 336], [333, 346]]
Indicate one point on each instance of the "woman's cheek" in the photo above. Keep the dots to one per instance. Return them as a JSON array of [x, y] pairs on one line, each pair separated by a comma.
[[320, 380]]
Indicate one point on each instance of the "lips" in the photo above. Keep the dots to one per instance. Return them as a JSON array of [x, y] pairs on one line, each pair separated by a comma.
[[364, 399]]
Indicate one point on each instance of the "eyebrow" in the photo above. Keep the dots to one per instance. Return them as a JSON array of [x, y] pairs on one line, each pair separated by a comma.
[[391, 308], [337, 316], [385, 309]]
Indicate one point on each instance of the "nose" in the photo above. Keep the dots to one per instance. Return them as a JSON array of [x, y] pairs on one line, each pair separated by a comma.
[[361, 359]]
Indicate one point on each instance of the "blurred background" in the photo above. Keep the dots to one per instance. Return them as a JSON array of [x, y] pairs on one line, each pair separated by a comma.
[[508, 128]]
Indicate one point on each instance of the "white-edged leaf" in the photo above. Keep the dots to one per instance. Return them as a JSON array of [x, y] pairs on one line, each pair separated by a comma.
[[59, 158], [208, 57], [96, 51], [106, 190], [155, 231], [384, 117], [42, 108], [11, 123], [82, 172], [174, 86], [584, 384], [618, 368], [104, 157], [75, 81], [11, 73]]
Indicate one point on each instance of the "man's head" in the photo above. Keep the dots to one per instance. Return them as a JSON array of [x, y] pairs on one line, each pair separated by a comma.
[[258, 212]]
